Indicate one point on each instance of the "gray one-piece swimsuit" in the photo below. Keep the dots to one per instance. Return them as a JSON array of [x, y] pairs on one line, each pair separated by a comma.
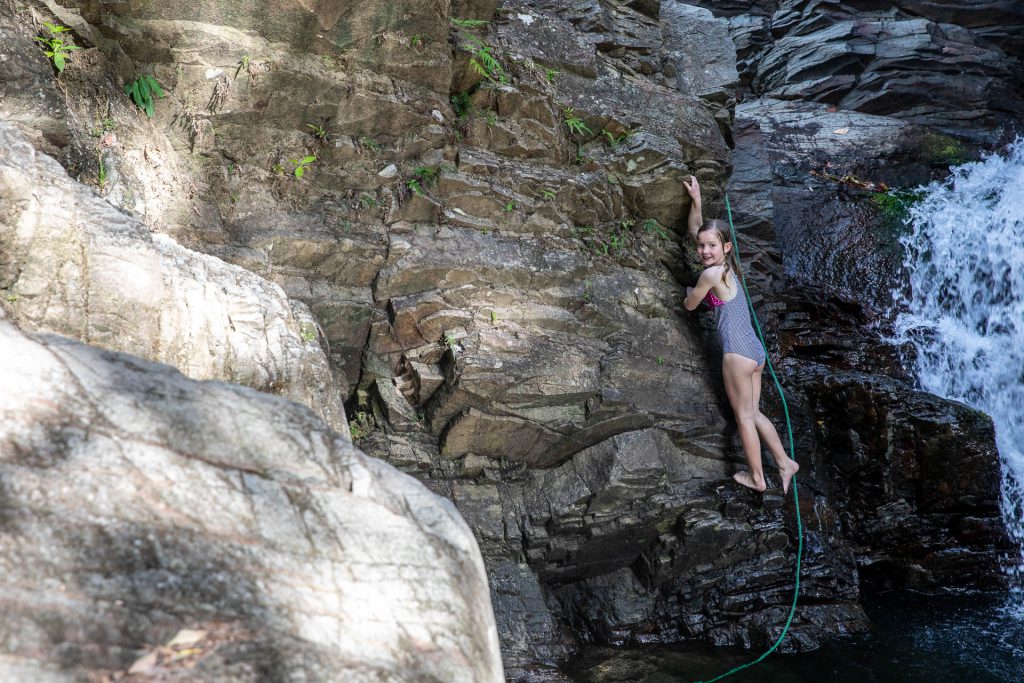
[[734, 328]]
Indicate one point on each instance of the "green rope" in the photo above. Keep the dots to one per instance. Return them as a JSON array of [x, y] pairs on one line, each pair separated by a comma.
[[792, 455]]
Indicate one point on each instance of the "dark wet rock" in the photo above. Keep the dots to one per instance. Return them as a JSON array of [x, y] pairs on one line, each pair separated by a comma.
[[915, 477], [953, 66], [819, 177]]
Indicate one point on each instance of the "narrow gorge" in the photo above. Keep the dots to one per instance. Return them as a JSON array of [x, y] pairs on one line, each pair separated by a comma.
[[364, 355]]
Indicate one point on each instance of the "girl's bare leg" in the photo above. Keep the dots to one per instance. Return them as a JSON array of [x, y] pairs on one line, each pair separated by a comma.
[[738, 373], [770, 437]]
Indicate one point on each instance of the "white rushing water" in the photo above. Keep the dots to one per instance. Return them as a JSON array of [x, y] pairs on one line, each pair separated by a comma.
[[965, 264]]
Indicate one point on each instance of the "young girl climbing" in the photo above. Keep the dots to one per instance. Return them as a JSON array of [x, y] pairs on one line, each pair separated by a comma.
[[743, 356]]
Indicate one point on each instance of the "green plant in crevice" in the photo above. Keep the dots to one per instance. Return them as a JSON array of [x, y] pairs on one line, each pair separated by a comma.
[[615, 140], [142, 90], [308, 333], [450, 342], [361, 426], [423, 176], [652, 226], [510, 206], [550, 74], [241, 64], [483, 61], [469, 23], [301, 165], [319, 132], [55, 47], [101, 173], [369, 143], [462, 105], [582, 157], [602, 242], [574, 123]]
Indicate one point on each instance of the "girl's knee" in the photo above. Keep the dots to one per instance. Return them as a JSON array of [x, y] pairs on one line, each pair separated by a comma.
[[746, 416]]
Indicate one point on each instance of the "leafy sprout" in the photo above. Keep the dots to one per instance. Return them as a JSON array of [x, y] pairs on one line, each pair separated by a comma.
[[54, 46], [142, 90], [319, 132], [301, 165]]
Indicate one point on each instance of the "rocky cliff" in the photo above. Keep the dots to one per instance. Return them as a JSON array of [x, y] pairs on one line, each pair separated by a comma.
[[465, 221]]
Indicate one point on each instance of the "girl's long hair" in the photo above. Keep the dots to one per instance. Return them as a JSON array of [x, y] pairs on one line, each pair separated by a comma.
[[731, 262]]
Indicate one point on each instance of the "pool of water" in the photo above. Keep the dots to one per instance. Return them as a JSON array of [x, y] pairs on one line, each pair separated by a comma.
[[967, 639]]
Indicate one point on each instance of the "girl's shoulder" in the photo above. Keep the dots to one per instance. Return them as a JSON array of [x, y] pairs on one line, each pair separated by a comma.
[[713, 272]]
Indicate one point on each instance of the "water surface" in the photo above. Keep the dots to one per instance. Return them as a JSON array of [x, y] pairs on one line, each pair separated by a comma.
[[959, 638]]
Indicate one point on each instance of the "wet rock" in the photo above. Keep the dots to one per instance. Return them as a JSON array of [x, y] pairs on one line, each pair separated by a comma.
[[911, 472], [945, 65]]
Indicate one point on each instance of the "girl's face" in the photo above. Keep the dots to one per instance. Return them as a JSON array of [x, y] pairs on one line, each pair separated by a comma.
[[710, 248]]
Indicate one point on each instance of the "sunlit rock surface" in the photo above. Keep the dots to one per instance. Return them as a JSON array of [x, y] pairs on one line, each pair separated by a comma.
[[138, 506]]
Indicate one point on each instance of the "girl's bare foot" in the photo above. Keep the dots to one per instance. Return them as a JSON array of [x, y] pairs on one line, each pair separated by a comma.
[[786, 471], [747, 480]]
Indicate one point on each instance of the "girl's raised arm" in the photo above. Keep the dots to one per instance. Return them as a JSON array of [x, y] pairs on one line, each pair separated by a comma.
[[696, 218]]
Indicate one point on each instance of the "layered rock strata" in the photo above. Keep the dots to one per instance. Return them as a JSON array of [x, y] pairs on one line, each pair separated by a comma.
[[491, 253]]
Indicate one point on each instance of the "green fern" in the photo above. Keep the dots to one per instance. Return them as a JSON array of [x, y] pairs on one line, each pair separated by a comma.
[[483, 60], [469, 23]]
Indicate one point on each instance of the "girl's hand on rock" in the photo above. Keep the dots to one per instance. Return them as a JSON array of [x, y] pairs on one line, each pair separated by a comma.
[[692, 187]]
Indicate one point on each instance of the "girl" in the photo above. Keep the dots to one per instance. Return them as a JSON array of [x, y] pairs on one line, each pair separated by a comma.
[[743, 356]]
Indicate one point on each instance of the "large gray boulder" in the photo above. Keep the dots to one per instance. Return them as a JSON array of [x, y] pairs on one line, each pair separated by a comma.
[[185, 530], [73, 264]]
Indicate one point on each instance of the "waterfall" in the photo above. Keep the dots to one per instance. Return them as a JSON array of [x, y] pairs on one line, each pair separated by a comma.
[[965, 313]]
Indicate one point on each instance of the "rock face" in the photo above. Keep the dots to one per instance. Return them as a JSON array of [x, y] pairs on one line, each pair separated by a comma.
[[231, 526], [954, 66], [487, 237], [77, 266], [821, 162]]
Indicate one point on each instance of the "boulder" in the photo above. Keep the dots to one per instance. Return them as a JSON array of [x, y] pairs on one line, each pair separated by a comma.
[[75, 265], [155, 525]]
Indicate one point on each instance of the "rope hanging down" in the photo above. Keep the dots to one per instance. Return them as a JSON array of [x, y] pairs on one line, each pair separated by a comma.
[[792, 456]]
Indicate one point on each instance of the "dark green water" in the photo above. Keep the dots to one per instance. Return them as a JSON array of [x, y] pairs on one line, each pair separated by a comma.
[[962, 639]]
